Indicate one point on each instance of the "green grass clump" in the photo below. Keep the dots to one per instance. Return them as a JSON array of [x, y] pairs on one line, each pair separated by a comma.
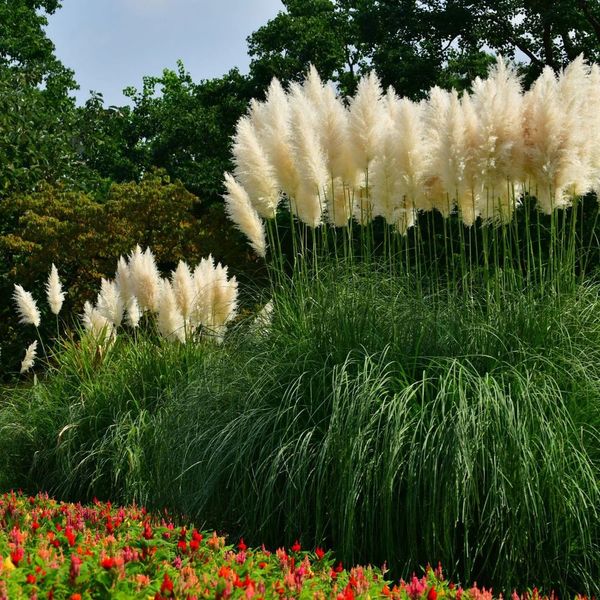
[[389, 422]]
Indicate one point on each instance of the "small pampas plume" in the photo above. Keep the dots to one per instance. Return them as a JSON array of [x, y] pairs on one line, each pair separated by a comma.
[[26, 307], [253, 170], [246, 219], [184, 290], [203, 276], [308, 202], [133, 313], [98, 326], [144, 279], [365, 120], [123, 281], [110, 302], [169, 320], [54, 291], [29, 359], [223, 302]]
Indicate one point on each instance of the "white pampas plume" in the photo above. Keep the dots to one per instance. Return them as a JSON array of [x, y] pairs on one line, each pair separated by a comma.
[[308, 202], [110, 303], [276, 139], [123, 281], [436, 121], [411, 153], [253, 170], [184, 290], [144, 279], [203, 275], [591, 117], [169, 320], [549, 150], [29, 359], [498, 139], [223, 298], [26, 307], [246, 219], [365, 121], [98, 326], [133, 313], [54, 291]]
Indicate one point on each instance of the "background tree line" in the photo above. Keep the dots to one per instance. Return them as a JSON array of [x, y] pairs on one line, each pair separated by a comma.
[[64, 167]]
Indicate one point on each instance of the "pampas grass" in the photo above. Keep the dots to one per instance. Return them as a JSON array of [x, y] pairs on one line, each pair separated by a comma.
[[29, 359], [26, 307], [54, 291]]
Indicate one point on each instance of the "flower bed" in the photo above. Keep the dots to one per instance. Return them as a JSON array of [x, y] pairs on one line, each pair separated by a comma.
[[50, 549]]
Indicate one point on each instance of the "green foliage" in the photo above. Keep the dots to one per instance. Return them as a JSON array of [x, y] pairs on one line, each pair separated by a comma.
[[186, 127], [393, 425]]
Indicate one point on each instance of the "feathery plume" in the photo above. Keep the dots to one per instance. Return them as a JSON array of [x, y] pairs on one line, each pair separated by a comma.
[[183, 288], [98, 326], [365, 120], [29, 359], [26, 307], [110, 303], [54, 291], [240, 211], [253, 169], [276, 139], [133, 313], [308, 202], [169, 320], [144, 279]]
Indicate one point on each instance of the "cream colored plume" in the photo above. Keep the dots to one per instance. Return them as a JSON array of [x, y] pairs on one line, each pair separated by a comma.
[[245, 218], [144, 279], [203, 276], [184, 290], [365, 121], [276, 139], [169, 320], [308, 202], [110, 302], [497, 139], [29, 358], [547, 151], [592, 110], [26, 307], [253, 170], [223, 302], [411, 153], [54, 291], [133, 313], [99, 327]]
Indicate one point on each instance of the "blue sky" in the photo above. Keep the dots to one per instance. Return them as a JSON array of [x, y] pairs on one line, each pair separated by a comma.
[[111, 44]]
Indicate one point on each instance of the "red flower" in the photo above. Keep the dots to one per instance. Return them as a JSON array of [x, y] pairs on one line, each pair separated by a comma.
[[241, 546], [107, 562], [296, 547], [182, 545], [35, 525], [194, 545], [320, 553], [147, 534], [70, 535], [262, 564], [17, 555], [31, 579], [75, 596], [167, 584], [75, 567], [432, 594]]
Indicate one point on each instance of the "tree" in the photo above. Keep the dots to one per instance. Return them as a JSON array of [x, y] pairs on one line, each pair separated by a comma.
[[415, 44], [185, 127], [35, 107]]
